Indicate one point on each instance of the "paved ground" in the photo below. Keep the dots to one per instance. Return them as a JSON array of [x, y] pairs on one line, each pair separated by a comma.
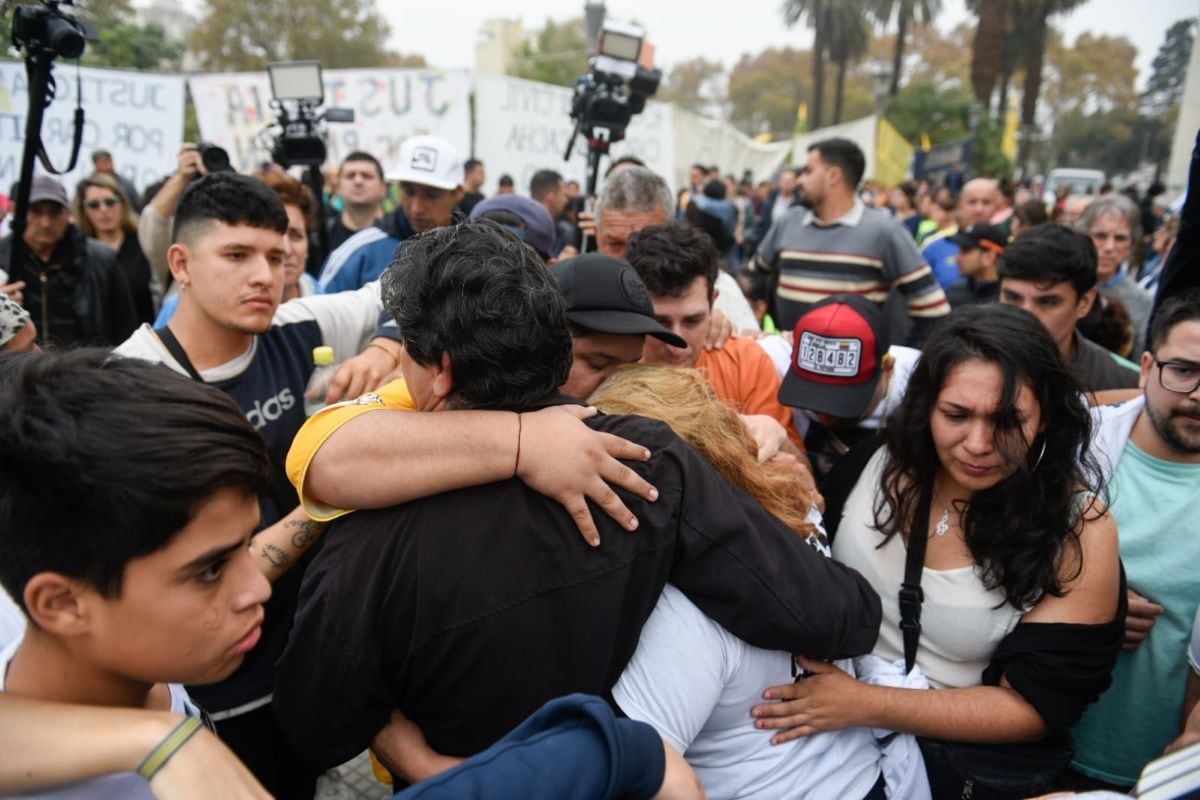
[[352, 781]]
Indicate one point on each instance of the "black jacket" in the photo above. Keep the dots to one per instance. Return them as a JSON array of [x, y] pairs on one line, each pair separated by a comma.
[[470, 609], [100, 295]]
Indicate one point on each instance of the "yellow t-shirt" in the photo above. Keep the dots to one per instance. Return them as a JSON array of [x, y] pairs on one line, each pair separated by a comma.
[[392, 396]]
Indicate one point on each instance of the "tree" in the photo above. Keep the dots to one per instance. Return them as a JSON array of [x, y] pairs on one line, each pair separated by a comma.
[[988, 49], [124, 44], [560, 54], [906, 12], [849, 37], [1036, 14], [943, 114], [245, 35], [1165, 87], [767, 88], [697, 85], [1096, 73], [944, 59], [816, 14]]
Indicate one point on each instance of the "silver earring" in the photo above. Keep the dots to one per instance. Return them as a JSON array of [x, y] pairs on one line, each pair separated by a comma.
[[1041, 453]]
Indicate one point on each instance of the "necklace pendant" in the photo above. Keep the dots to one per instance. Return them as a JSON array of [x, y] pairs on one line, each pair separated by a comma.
[[943, 526]]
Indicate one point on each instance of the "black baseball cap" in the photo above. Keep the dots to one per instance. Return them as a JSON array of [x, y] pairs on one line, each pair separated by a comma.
[[987, 237], [605, 295]]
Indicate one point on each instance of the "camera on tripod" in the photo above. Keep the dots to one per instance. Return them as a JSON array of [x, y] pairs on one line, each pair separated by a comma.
[[44, 27], [300, 138], [616, 89]]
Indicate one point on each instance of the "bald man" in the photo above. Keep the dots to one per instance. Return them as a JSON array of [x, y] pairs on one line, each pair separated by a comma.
[[978, 202]]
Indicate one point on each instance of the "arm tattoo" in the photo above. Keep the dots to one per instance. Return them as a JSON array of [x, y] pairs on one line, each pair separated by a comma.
[[275, 556], [307, 531]]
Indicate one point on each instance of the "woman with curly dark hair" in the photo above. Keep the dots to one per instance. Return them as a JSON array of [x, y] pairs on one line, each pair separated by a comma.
[[1015, 612]]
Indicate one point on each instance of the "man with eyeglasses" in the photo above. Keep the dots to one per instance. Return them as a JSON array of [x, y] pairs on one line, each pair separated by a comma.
[[1149, 448], [430, 172], [1114, 224]]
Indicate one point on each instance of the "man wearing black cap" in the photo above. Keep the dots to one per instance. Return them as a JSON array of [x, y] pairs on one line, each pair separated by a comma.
[[73, 287], [845, 377], [979, 247]]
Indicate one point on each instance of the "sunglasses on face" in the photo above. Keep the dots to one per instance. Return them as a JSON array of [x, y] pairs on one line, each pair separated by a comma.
[[107, 202]]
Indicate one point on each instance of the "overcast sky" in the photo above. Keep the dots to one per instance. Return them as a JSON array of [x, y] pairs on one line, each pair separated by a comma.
[[445, 33]]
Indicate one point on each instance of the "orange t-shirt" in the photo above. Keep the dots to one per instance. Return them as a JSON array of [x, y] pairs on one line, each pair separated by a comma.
[[742, 374]]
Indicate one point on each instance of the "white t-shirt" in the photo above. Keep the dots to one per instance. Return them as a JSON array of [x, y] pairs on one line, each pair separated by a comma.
[[695, 683], [116, 786], [962, 622]]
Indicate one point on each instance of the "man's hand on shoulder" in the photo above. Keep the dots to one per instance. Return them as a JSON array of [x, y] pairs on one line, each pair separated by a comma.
[[562, 458]]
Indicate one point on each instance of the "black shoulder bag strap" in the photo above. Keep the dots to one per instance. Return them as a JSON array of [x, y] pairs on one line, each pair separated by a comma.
[[911, 595], [177, 352], [279, 488]]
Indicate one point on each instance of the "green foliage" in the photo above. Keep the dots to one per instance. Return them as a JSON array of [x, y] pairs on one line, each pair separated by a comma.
[[1165, 87], [129, 46], [944, 115], [246, 34], [1111, 140], [559, 54]]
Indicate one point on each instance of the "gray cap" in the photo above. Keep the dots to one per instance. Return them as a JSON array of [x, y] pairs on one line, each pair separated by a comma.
[[46, 188]]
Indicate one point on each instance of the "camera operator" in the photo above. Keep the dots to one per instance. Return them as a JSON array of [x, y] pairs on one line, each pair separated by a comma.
[[158, 217], [73, 287]]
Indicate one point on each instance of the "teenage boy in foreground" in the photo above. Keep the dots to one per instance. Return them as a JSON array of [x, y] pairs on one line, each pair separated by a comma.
[[128, 496]]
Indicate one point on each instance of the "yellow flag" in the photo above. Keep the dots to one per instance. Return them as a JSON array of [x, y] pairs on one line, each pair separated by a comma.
[[926, 145], [1012, 121]]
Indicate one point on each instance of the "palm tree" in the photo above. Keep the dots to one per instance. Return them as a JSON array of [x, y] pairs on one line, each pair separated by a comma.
[[849, 37], [988, 50], [907, 12], [1036, 15], [816, 13]]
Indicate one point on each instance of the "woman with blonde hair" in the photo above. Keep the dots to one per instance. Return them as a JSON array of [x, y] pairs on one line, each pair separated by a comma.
[[694, 681], [104, 213], [683, 399]]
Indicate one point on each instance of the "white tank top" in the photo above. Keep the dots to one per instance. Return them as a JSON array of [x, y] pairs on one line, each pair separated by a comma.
[[961, 621]]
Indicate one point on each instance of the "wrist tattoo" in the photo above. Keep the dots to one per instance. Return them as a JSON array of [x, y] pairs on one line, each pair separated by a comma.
[[275, 556], [306, 531]]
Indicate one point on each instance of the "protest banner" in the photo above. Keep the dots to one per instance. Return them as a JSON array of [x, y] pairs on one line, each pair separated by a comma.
[[862, 132], [700, 140], [523, 126], [137, 116], [234, 111]]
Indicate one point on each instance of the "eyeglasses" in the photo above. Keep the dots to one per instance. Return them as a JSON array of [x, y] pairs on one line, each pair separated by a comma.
[[1182, 377], [107, 202]]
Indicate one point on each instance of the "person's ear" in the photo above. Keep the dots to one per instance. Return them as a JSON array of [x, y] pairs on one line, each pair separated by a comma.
[[887, 364], [1085, 302], [1147, 368], [443, 381], [58, 604], [179, 259]]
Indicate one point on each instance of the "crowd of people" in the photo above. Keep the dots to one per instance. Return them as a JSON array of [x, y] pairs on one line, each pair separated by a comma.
[[804, 488]]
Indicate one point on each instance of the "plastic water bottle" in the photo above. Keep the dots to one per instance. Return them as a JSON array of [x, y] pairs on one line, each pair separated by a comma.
[[318, 384]]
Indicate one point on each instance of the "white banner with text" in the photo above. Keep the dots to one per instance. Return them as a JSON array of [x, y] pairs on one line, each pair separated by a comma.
[[137, 116]]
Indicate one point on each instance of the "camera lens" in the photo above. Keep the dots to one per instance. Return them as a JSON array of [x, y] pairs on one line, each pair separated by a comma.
[[64, 37]]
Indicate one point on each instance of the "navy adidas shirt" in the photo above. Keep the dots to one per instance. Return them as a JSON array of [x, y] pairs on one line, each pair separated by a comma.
[[267, 382]]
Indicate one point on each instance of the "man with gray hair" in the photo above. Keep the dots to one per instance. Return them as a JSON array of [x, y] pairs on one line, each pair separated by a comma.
[[635, 197], [1114, 224]]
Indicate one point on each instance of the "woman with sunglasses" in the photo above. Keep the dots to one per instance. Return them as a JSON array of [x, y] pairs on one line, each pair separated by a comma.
[[104, 213]]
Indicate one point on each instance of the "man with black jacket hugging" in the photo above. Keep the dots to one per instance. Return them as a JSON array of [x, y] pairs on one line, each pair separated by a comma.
[[467, 610]]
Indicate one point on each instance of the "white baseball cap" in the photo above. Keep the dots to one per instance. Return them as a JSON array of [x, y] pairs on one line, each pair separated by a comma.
[[429, 161]]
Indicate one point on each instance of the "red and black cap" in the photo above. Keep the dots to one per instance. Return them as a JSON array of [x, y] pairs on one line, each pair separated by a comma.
[[837, 357]]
